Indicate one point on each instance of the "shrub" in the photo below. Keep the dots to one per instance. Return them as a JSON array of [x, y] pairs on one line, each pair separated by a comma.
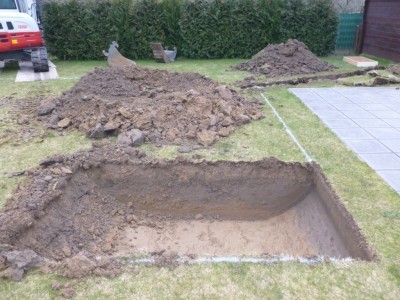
[[228, 28], [312, 22]]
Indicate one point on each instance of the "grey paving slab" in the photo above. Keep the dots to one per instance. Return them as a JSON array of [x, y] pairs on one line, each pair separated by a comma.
[[324, 90], [386, 114], [346, 107], [340, 123], [307, 96], [312, 101], [384, 133], [394, 107], [367, 120], [371, 123], [372, 106], [338, 101], [362, 100], [382, 161], [391, 177], [388, 101], [331, 94], [331, 114], [367, 146], [392, 122], [393, 145], [322, 105], [353, 134], [358, 114]]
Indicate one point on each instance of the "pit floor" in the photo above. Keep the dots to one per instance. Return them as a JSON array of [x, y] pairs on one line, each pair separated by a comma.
[[304, 230]]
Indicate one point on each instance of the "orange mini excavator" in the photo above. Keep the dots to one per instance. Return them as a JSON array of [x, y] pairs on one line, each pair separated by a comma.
[[20, 36]]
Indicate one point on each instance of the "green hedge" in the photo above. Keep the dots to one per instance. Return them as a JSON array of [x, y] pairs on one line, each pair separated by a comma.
[[76, 29], [313, 22], [235, 28]]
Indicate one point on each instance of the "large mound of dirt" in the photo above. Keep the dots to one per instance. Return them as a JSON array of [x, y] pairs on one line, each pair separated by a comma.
[[153, 105], [290, 58]]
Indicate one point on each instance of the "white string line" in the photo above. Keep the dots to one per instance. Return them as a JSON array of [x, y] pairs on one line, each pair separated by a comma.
[[287, 129], [237, 259]]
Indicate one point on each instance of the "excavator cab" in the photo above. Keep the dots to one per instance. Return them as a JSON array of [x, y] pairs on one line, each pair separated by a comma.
[[8, 4]]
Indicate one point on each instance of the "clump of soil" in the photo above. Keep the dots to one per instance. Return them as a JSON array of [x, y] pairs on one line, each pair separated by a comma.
[[154, 106], [394, 68], [85, 210], [290, 58]]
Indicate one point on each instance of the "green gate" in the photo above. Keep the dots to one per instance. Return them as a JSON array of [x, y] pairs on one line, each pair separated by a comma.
[[347, 30]]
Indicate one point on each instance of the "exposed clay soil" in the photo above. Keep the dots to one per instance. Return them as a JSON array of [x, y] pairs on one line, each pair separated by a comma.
[[290, 58], [165, 107], [82, 211]]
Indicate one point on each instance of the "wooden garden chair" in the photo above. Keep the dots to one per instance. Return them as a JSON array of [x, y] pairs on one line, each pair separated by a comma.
[[161, 55]]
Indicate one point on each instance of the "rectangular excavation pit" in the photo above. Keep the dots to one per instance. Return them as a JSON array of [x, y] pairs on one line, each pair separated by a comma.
[[257, 209], [241, 209]]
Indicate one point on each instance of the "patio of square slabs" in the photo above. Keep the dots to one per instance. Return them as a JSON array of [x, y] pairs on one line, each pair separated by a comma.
[[366, 119]]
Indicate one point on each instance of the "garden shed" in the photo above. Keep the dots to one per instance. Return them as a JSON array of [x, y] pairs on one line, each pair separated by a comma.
[[381, 34]]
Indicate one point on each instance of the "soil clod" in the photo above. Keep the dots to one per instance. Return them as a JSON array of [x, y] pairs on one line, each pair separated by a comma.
[[395, 69], [15, 263]]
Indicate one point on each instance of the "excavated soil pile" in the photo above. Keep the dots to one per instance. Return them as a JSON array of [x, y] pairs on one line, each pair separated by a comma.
[[394, 68], [85, 210], [155, 106], [290, 58]]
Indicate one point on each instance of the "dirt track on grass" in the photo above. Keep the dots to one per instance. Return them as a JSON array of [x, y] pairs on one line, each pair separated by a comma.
[[290, 58], [79, 212], [162, 107], [250, 82]]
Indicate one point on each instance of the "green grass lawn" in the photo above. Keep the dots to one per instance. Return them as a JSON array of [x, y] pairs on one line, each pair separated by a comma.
[[374, 205]]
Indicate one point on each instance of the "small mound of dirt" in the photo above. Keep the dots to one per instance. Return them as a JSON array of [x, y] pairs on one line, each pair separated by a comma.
[[150, 105], [290, 58], [394, 68]]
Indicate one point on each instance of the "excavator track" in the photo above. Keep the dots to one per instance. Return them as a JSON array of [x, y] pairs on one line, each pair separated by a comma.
[[39, 60]]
